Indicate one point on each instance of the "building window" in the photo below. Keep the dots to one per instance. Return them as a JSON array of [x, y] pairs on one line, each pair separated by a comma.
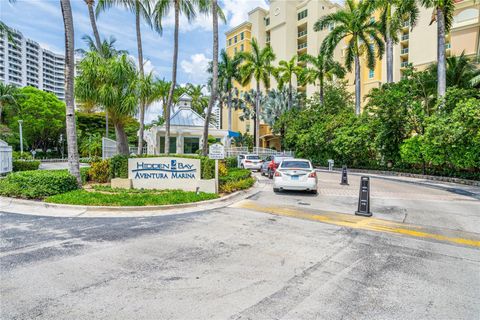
[[173, 145], [191, 145], [241, 47], [331, 26], [267, 21], [242, 36], [230, 41], [235, 39], [247, 127], [371, 73], [303, 14]]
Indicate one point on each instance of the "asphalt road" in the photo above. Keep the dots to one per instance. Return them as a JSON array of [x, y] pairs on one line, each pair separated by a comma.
[[267, 257]]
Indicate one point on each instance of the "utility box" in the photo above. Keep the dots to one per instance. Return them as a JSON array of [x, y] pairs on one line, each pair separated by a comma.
[[330, 164], [5, 158]]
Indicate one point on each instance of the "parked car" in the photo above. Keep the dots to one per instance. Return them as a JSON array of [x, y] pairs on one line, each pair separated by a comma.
[[271, 163], [251, 161], [295, 174]]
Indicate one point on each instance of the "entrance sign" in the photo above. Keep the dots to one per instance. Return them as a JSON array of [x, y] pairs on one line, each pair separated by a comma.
[[164, 173], [216, 151]]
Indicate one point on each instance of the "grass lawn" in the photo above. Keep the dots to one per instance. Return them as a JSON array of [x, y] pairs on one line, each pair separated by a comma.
[[106, 196]]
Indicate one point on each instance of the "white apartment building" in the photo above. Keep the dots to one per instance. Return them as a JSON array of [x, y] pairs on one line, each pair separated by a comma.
[[24, 62]]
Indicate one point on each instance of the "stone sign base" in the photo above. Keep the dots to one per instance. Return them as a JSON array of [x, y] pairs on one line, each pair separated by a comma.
[[207, 186]]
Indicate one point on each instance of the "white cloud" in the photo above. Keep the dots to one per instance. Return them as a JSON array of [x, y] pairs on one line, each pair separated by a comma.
[[196, 68], [237, 11]]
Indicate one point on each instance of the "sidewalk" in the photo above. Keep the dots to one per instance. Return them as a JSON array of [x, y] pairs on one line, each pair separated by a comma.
[[462, 189]]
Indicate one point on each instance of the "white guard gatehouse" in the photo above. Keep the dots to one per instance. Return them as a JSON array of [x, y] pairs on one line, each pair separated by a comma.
[[186, 131]]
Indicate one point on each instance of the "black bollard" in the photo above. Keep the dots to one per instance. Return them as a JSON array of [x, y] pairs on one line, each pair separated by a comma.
[[344, 181], [364, 198]]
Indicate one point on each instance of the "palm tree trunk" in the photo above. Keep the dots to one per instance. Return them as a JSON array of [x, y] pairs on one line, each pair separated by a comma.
[[389, 44], [213, 96], [122, 141], [229, 106], [1, 110], [321, 91], [73, 158], [96, 35], [441, 69], [174, 77], [290, 93], [357, 85], [140, 67], [257, 116]]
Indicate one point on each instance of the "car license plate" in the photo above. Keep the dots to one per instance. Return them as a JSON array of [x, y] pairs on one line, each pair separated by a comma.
[[295, 177]]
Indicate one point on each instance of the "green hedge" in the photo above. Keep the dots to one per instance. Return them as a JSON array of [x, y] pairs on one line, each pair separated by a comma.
[[21, 165], [119, 164], [37, 184], [235, 174], [231, 162]]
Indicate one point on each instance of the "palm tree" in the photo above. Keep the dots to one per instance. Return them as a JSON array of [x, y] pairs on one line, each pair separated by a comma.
[[148, 92], [73, 158], [141, 9], [162, 87], [113, 84], [322, 67], [460, 71], [161, 10], [228, 72], [91, 14], [275, 105], [355, 26], [8, 96], [257, 65], [199, 100], [443, 14], [215, 10], [284, 74], [393, 13]]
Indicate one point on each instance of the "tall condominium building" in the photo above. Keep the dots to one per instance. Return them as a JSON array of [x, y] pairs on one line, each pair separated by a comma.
[[23, 62], [287, 27]]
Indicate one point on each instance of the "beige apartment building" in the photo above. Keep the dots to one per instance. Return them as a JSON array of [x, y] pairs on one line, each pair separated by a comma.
[[288, 28]]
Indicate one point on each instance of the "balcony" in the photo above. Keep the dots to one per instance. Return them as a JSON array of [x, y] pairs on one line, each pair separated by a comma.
[[404, 51], [302, 33], [448, 46], [302, 46], [405, 37], [404, 64], [406, 24], [268, 40]]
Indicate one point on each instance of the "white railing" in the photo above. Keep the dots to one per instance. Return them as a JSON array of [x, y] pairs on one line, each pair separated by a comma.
[[302, 45], [404, 51], [264, 152], [235, 151], [5, 157], [109, 148]]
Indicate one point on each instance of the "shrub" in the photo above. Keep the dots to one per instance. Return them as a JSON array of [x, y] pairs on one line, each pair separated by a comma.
[[99, 171], [232, 186], [16, 155], [222, 169], [22, 165], [119, 166], [235, 174], [232, 162], [37, 184]]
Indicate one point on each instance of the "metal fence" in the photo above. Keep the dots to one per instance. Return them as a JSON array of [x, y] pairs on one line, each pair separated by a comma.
[[5, 157], [262, 152], [235, 151], [109, 148]]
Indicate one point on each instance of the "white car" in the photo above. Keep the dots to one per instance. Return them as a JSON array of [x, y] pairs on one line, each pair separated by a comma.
[[251, 161], [295, 174]]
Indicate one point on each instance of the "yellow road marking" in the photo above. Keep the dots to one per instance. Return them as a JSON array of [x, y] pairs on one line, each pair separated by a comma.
[[364, 223]]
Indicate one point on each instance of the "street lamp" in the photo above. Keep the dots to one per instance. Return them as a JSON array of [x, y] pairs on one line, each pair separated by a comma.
[[21, 136]]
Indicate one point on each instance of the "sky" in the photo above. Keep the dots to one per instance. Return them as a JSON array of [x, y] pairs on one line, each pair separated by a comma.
[[41, 21]]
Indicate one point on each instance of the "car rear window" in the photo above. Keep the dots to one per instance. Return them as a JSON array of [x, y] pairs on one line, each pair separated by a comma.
[[296, 164], [253, 157]]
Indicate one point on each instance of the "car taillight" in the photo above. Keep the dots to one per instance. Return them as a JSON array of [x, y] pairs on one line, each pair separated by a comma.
[[313, 175], [278, 174]]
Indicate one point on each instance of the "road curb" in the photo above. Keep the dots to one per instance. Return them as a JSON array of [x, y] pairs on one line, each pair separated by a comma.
[[23, 206]]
